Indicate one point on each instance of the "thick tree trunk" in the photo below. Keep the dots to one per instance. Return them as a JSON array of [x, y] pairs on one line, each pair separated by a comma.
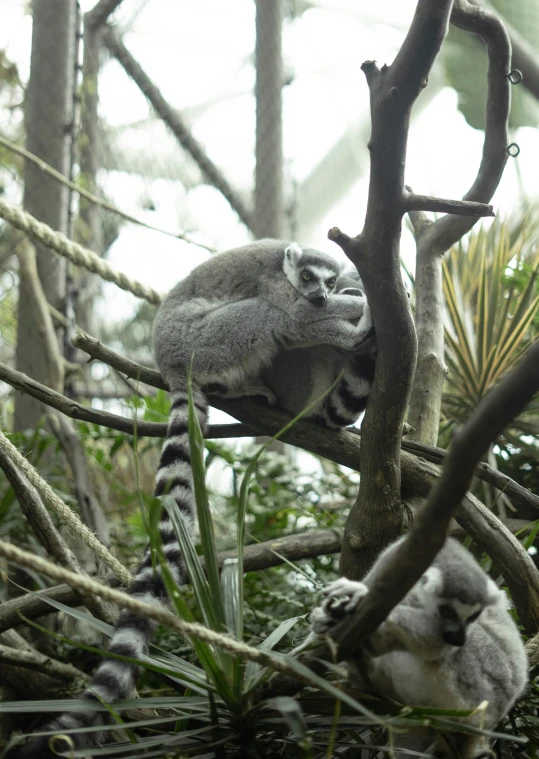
[[49, 107], [268, 219]]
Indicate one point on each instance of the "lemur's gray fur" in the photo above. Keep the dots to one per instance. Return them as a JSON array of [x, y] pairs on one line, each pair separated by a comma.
[[298, 376], [450, 643], [230, 317]]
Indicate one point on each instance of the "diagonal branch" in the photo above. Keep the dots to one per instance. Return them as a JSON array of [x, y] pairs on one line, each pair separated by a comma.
[[416, 552], [175, 123]]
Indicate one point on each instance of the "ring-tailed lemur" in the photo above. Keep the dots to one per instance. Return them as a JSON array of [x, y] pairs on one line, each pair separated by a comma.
[[298, 376], [450, 643], [228, 319]]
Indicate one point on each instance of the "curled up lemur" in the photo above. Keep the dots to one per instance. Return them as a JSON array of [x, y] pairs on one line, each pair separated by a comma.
[[231, 317], [450, 643]]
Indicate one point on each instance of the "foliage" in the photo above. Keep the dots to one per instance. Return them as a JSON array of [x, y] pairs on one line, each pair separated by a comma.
[[492, 298], [214, 705], [465, 63]]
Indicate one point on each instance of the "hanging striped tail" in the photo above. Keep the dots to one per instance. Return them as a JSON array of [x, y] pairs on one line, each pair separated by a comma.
[[346, 402], [115, 679]]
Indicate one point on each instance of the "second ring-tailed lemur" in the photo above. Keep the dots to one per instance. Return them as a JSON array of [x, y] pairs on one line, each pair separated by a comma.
[[227, 320], [450, 643], [298, 376]]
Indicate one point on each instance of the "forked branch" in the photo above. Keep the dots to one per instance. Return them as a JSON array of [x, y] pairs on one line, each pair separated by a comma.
[[435, 238], [416, 552]]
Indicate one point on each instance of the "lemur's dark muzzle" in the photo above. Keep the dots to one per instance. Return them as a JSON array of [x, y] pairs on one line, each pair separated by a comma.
[[318, 298]]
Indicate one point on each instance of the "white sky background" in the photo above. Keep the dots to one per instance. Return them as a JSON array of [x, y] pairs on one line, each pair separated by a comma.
[[201, 52]]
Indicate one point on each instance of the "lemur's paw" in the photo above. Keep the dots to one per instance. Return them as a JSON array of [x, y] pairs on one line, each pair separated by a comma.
[[340, 599]]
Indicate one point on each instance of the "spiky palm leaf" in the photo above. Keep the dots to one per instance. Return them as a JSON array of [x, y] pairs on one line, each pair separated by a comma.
[[492, 309]]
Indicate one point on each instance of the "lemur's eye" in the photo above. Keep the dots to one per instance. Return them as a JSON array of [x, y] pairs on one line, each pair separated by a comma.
[[306, 276], [473, 617], [331, 282]]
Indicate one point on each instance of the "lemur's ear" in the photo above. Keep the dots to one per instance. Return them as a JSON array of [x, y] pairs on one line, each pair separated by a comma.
[[293, 253]]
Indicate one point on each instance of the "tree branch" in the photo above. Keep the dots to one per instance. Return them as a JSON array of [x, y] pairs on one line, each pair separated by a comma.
[[416, 552], [43, 527], [524, 55], [257, 556], [175, 123], [39, 663], [74, 410], [415, 202], [375, 519], [339, 447], [435, 238], [101, 11]]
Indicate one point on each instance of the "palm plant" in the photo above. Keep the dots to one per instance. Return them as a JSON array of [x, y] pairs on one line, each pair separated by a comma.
[[492, 314], [218, 704]]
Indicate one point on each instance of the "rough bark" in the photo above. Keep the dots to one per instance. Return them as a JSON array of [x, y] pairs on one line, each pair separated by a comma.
[[434, 239], [268, 218], [375, 519], [49, 105]]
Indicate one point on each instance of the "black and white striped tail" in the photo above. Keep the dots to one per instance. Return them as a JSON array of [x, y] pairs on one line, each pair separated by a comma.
[[115, 679], [346, 402]]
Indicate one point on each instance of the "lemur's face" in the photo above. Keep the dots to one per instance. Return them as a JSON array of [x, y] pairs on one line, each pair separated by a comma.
[[455, 619], [312, 274], [454, 614]]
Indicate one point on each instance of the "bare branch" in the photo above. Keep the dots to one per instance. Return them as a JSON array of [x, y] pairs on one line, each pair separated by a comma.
[[483, 471], [457, 207], [435, 238], [43, 527], [40, 663], [33, 605], [175, 123], [524, 55], [428, 535], [74, 410], [449, 229], [42, 316], [256, 557], [101, 11], [375, 519], [260, 419]]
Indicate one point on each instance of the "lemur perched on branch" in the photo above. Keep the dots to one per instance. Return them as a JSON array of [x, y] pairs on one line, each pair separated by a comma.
[[229, 319]]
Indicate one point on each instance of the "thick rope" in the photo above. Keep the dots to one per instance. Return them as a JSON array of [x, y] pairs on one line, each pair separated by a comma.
[[95, 199], [158, 613], [64, 512], [75, 252]]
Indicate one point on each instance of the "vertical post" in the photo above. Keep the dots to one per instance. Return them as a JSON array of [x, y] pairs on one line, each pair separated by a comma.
[[89, 228], [269, 217], [48, 135]]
